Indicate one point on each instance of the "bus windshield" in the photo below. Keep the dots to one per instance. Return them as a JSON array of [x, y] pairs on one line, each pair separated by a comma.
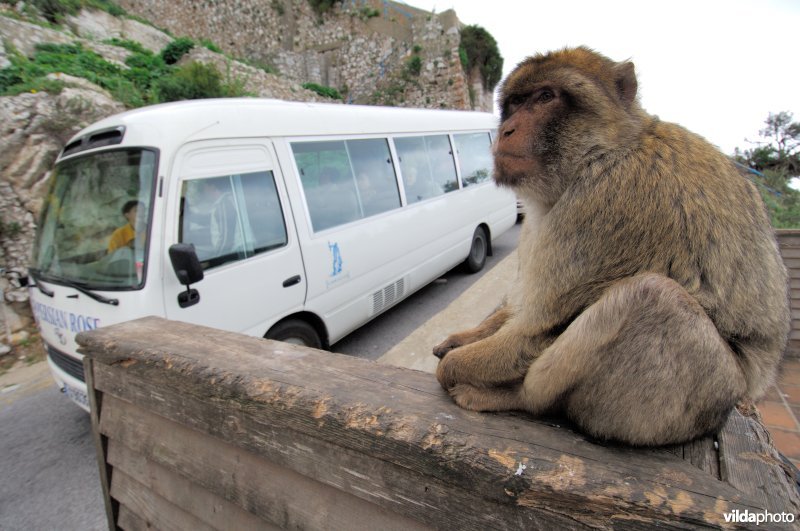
[[93, 231]]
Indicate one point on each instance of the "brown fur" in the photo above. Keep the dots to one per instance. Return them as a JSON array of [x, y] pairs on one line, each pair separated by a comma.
[[653, 297]]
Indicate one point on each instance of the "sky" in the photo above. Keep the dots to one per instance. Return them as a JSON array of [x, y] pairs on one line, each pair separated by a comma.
[[716, 67]]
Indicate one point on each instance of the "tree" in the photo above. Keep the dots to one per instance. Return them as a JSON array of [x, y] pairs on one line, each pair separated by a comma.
[[780, 149], [478, 49], [774, 162]]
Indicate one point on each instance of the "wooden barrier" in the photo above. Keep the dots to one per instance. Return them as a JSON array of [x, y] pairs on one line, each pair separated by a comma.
[[789, 243], [202, 429]]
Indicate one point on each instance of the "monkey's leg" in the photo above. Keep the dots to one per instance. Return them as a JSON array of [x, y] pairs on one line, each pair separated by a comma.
[[488, 326], [643, 365]]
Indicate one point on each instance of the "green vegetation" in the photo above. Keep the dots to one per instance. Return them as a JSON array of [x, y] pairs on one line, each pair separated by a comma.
[[366, 13], [192, 81], [478, 49], [413, 66], [10, 229], [55, 11], [328, 92], [775, 162], [173, 51], [148, 78], [391, 95], [321, 7]]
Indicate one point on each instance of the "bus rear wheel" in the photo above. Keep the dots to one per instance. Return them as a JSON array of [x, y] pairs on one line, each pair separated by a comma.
[[477, 251], [296, 332]]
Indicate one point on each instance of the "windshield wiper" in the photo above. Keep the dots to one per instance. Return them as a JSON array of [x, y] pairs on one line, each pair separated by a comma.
[[37, 276], [88, 293], [34, 273]]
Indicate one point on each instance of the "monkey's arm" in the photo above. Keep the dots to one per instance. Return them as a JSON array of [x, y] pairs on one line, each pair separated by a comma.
[[488, 327], [499, 359]]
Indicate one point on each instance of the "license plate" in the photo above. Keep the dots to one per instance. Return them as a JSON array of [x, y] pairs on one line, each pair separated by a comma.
[[77, 396]]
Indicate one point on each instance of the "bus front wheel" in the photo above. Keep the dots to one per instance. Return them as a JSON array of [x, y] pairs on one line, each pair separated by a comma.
[[296, 332], [478, 251]]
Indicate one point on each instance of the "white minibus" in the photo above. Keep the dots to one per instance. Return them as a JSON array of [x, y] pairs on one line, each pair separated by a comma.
[[291, 221]]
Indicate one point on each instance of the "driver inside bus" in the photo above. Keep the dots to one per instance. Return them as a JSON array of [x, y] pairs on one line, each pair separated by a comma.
[[125, 235]]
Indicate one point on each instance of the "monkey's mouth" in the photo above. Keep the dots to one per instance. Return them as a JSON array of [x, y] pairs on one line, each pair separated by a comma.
[[510, 168]]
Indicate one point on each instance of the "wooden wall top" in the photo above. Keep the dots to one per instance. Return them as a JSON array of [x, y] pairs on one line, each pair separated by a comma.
[[391, 437]]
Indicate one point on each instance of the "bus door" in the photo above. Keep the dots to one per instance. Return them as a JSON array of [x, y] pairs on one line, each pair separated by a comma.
[[229, 200]]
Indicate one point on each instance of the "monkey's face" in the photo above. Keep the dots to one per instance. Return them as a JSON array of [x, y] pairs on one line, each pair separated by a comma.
[[556, 110], [527, 140]]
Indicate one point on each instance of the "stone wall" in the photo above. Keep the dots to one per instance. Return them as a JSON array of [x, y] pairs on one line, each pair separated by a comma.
[[365, 57]]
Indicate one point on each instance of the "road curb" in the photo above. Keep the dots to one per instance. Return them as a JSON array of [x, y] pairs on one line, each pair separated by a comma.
[[468, 310]]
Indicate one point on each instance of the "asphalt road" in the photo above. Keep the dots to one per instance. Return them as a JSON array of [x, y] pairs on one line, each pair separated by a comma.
[[48, 469]]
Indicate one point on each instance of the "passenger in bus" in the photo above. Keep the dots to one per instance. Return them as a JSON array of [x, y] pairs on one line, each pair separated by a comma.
[[125, 235]]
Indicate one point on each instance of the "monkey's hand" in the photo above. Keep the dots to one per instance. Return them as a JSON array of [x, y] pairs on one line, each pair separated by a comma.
[[491, 362], [453, 341], [489, 326]]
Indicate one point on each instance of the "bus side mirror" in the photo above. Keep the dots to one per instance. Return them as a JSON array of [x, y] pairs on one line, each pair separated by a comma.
[[188, 270]]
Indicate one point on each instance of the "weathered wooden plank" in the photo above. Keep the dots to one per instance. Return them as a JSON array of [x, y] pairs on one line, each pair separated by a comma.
[[100, 443], [793, 345], [792, 263], [403, 419], [792, 251], [130, 521], [235, 477], [156, 511], [748, 461], [387, 486], [213, 510]]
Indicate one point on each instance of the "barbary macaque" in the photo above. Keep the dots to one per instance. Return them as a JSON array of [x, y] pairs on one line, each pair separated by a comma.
[[651, 296]]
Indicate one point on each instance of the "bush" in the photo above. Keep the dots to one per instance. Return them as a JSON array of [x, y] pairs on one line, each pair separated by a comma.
[[414, 65], [191, 82], [211, 45], [323, 6], [106, 5], [173, 51], [328, 92], [55, 10], [10, 77]]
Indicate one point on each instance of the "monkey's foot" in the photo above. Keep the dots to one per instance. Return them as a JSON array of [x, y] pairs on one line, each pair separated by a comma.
[[486, 399]]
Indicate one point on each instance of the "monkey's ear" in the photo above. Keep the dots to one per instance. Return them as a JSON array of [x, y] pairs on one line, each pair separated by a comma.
[[626, 83]]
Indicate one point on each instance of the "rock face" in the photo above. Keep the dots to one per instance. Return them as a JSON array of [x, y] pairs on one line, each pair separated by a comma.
[[33, 128]]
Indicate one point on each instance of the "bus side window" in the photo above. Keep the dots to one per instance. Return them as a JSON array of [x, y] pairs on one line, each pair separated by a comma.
[[474, 156], [232, 217], [375, 177], [427, 166], [346, 180]]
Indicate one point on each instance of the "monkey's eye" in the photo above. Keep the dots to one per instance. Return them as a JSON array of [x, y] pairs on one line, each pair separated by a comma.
[[545, 96], [515, 101]]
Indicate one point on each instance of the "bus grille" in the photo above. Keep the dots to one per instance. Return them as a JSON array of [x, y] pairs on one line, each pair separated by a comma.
[[383, 298], [66, 363]]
